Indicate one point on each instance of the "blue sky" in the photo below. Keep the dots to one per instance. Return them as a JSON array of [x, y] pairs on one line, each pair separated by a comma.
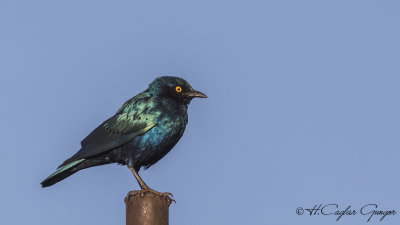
[[302, 109]]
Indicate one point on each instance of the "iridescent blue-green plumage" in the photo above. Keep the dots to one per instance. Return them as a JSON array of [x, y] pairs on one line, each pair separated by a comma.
[[142, 131]]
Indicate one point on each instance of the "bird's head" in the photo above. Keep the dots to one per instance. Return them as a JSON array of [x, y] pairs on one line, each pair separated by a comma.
[[176, 88]]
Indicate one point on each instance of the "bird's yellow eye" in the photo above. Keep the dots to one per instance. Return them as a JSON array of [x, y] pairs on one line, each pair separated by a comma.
[[178, 89]]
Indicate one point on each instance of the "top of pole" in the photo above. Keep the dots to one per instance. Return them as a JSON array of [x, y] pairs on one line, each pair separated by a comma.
[[145, 207]]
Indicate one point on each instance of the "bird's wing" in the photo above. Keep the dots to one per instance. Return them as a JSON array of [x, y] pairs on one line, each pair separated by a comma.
[[116, 131]]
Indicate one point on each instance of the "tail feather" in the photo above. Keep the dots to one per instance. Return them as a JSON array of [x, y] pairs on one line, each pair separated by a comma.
[[62, 173]]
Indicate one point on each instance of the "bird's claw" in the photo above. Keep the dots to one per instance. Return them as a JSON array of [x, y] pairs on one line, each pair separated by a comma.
[[170, 196], [166, 195]]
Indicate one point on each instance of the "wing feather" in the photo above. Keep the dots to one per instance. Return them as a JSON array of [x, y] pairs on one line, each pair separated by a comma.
[[131, 120]]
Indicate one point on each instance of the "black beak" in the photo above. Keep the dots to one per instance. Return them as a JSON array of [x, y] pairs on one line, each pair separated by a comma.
[[195, 94]]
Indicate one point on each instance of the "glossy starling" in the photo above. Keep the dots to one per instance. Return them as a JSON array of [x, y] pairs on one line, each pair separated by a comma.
[[142, 131]]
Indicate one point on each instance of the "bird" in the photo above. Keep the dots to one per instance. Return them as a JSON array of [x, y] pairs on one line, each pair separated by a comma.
[[142, 131]]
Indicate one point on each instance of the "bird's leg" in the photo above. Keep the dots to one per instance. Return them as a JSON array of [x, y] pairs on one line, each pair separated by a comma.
[[144, 186]]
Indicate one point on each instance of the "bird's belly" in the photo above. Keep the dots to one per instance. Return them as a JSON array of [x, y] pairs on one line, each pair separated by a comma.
[[147, 149]]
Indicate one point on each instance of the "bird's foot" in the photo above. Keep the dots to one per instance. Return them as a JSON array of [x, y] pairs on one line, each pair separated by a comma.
[[164, 195]]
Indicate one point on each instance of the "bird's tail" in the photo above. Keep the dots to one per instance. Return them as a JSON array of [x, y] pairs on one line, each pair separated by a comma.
[[62, 173]]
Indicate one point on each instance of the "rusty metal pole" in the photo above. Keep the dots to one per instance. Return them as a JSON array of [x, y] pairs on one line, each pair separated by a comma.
[[146, 208]]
